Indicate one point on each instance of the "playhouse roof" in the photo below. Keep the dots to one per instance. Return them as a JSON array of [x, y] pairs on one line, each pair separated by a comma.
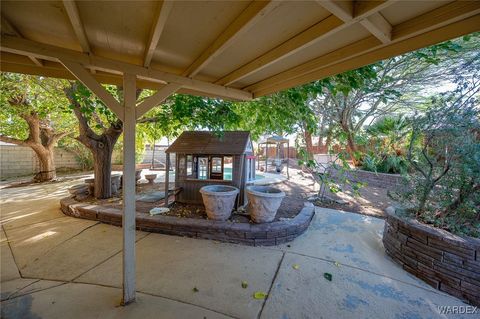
[[202, 142], [275, 139]]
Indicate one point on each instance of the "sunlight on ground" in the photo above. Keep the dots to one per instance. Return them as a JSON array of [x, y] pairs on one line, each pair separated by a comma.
[[39, 237]]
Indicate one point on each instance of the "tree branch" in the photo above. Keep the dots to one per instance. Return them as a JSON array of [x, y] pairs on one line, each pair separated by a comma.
[[12, 140]]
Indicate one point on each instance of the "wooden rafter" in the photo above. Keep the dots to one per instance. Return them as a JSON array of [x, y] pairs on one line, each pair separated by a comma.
[[157, 29], [254, 12], [90, 82], [8, 27], [433, 19], [53, 53], [363, 55], [375, 23], [341, 9], [308, 37], [78, 28], [157, 98]]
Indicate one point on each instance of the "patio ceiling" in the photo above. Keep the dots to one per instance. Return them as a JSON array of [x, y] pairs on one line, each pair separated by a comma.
[[228, 49]]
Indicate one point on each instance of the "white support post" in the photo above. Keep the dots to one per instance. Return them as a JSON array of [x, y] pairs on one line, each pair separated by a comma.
[[288, 158], [128, 220], [167, 177], [266, 157]]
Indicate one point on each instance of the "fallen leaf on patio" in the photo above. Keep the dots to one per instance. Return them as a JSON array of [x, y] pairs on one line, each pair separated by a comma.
[[195, 289], [296, 267], [327, 276], [244, 284], [260, 295], [337, 264]]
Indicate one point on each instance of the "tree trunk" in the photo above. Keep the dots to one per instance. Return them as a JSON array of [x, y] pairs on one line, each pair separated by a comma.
[[41, 139], [100, 144], [328, 140], [352, 148], [102, 167], [424, 196], [46, 159], [308, 142]]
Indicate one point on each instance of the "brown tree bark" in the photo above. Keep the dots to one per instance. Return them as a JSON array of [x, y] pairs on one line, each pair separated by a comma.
[[46, 159], [308, 142], [41, 139], [101, 146], [352, 148]]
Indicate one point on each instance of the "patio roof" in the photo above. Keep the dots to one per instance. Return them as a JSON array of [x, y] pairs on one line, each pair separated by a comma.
[[228, 49]]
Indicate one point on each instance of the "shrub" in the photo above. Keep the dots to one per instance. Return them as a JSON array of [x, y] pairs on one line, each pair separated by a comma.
[[444, 153], [387, 140]]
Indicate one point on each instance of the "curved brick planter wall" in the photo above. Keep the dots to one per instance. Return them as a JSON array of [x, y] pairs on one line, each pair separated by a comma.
[[267, 234], [446, 262]]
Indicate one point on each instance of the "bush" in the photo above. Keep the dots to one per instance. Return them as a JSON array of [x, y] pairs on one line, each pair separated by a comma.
[[391, 164], [387, 140], [444, 153]]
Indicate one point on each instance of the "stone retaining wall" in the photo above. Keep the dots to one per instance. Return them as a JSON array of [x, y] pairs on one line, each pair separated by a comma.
[[267, 234], [446, 262]]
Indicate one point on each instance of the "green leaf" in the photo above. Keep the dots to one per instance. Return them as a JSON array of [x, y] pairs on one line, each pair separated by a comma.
[[244, 284], [327, 276], [296, 267], [259, 295], [195, 289]]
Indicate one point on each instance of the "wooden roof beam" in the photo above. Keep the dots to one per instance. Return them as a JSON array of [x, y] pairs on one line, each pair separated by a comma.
[[8, 27], [315, 33], [157, 28], [157, 98], [371, 19], [377, 25], [90, 82], [447, 22], [74, 17], [57, 70], [54, 53], [254, 12], [341, 9]]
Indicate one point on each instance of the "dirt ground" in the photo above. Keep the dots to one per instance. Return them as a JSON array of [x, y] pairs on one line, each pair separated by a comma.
[[290, 207], [372, 200], [296, 195]]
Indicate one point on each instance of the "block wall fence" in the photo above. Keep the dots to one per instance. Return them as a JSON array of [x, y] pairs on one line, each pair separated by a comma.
[[21, 161]]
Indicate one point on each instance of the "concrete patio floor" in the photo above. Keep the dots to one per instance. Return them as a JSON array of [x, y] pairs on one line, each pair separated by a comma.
[[53, 266]]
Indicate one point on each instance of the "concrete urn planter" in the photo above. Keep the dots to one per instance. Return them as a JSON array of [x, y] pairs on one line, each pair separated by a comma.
[[263, 202], [219, 200]]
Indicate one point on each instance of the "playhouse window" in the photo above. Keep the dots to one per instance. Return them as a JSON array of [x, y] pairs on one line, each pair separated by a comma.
[[189, 165], [209, 167], [202, 167], [228, 168]]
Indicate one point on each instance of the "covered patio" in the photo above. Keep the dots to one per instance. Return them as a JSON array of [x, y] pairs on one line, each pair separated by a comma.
[[235, 50], [55, 266]]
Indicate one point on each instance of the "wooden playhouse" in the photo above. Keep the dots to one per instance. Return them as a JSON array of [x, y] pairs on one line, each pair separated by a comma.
[[206, 158]]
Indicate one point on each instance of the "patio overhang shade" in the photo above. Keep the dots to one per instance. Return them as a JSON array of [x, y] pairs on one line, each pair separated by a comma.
[[227, 49]]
